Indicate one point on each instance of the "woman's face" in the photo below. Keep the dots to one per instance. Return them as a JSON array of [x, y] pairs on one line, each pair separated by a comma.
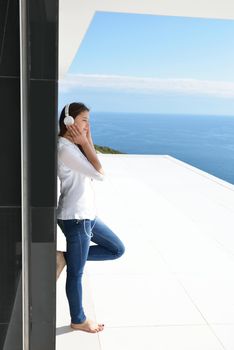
[[82, 121]]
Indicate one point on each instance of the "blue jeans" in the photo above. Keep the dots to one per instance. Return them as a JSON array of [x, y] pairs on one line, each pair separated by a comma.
[[78, 235]]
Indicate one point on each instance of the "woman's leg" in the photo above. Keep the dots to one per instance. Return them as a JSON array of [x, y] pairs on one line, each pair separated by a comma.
[[108, 245], [76, 255]]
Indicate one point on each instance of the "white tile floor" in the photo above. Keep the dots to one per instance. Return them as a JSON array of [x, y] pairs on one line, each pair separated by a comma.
[[174, 286]]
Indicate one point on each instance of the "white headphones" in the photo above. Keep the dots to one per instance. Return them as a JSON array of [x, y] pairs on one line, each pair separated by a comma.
[[68, 120]]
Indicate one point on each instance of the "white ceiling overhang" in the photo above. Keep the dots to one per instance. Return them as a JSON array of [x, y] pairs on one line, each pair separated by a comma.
[[76, 15]]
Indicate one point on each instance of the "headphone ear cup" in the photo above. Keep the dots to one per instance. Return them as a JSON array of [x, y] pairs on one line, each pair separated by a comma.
[[69, 120]]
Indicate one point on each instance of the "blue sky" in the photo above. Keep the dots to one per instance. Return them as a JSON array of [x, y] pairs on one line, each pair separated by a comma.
[[153, 64]]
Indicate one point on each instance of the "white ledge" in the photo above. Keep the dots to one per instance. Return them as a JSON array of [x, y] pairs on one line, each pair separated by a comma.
[[173, 287]]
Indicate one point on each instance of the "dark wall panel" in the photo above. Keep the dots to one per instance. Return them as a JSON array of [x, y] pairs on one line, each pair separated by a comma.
[[43, 29], [43, 94], [43, 20], [9, 38], [42, 133], [10, 179], [10, 174], [10, 272]]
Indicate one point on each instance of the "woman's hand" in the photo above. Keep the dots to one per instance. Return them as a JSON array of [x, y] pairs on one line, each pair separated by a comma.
[[79, 138], [89, 137]]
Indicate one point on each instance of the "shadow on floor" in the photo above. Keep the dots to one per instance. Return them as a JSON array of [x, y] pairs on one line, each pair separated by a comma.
[[63, 330]]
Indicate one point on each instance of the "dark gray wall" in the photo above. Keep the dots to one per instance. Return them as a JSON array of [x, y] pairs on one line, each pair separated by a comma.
[[42, 131]]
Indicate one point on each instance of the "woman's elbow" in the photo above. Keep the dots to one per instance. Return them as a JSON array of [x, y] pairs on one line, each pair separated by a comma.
[[101, 175], [101, 171]]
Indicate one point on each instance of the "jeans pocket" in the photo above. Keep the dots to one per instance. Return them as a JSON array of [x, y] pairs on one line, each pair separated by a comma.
[[76, 221]]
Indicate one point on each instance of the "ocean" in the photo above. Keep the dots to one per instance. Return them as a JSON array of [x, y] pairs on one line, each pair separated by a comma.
[[206, 142]]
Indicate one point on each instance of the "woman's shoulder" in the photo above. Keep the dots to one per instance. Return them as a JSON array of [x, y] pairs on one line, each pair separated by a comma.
[[62, 141], [65, 144]]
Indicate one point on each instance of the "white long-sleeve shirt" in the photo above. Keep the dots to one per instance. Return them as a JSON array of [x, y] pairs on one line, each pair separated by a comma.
[[76, 173]]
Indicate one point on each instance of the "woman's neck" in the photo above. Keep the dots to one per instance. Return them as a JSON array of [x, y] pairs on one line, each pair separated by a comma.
[[68, 136]]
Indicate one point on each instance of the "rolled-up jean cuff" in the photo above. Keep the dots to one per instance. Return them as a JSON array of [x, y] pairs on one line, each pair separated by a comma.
[[77, 321]]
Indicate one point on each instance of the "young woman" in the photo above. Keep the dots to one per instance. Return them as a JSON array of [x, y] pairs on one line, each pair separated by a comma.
[[78, 165]]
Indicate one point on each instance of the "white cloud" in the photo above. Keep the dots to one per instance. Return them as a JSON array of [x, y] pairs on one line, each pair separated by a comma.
[[147, 85]]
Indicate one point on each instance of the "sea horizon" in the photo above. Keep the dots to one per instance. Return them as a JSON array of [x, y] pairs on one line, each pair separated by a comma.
[[204, 141]]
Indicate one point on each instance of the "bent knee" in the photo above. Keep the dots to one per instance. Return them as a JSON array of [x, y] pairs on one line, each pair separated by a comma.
[[121, 250]]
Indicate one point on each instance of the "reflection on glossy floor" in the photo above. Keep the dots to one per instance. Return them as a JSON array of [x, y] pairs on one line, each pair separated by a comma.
[[174, 286]]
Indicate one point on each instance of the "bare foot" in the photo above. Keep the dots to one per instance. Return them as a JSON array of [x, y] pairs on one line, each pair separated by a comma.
[[88, 326]]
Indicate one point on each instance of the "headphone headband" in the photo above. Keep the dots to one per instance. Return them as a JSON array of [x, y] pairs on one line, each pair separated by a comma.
[[68, 120], [67, 110]]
